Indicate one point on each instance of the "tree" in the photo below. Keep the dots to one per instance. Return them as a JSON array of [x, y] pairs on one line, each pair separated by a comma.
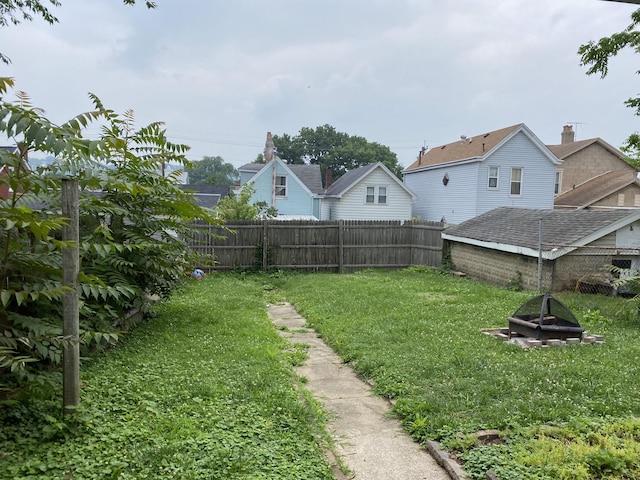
[[334, 150], [596, 56], [212, 171], [239, 207], [14, 12], [131, 235]]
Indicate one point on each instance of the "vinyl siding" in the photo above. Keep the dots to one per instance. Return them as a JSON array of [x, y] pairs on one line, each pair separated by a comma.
[[466, 195], [538, 177], [352, 205], [298, 201], [455, 202]]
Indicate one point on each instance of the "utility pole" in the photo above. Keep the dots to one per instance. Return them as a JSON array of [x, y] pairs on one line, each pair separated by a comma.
[[70, 312]]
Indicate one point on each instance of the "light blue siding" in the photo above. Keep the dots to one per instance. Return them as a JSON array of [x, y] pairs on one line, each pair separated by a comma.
[[297, 201], [453, 202], [538, 177], [467, 195]]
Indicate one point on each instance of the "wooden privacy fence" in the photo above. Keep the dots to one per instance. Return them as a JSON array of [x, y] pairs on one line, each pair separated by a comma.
[[331, 246]]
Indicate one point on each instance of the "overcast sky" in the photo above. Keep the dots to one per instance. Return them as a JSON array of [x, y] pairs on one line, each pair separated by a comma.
[[403, 73]]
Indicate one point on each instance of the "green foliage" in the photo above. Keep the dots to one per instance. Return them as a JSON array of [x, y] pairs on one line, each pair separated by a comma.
[[632, 149], [334, 150], [515, 283], [212, 171], [596, 56], [132, 221], [205, 391], [239, 207]]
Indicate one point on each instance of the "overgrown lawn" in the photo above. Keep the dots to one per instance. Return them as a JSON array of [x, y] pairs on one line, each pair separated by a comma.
[[203, 391], [416, 334]]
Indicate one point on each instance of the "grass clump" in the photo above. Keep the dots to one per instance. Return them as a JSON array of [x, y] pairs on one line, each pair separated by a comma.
[[204, 391]]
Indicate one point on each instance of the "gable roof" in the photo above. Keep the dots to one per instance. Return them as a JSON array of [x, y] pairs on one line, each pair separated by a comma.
[[516, 230], [251, 167], [565, 150], [474, 148], [596, 189], [308, 176], [353, 177]]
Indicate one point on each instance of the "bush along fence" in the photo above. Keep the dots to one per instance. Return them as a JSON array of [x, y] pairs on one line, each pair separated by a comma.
[[328, 246]]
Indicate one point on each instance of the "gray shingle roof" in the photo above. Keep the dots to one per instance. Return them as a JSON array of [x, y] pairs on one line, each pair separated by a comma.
[[309, 175], [348, 179], [519, 226]]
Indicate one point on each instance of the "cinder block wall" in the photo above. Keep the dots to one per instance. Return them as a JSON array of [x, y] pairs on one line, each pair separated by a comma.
[[500, 268], [582, 265]]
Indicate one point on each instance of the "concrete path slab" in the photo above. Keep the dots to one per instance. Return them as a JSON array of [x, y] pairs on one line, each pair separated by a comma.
[[371, 445]]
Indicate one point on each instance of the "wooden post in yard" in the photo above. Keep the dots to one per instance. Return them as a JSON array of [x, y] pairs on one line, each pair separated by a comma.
[[340, 246], [71, 317]]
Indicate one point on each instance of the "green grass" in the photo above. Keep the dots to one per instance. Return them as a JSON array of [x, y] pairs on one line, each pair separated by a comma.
[[416, 335], [206, 389], [201, 392]]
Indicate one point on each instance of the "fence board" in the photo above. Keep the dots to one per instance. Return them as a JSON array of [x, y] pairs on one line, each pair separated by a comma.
[[328, 246]]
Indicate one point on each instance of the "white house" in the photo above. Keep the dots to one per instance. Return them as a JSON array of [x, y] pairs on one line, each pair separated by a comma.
[[370, 192], [509, 167]]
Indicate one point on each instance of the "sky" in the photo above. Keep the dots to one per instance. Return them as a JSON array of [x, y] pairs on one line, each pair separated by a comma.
[[403, 73]]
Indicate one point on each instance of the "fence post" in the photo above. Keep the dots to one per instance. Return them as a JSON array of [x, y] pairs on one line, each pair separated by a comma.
[[540, 255], [70, 313], [340, 246], [265, 246]]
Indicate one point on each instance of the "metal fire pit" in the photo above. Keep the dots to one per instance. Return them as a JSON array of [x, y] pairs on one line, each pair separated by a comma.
[[544, 318]]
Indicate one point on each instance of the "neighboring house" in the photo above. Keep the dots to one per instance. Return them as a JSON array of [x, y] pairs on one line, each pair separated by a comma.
[[460, 180], [371, 192], [584, 159], [503, 246], [294, 190], [593, 175], [613, 189], [207, 196]]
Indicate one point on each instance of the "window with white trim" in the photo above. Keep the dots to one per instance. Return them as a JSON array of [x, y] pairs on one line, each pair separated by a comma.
[[516, 181], [382, 194], [376, 195], [636, 200], [558, 184], [492, 182], [281, 186], [621, 199]]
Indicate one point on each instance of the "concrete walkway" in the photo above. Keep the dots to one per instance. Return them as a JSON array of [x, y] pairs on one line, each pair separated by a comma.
[[371, 445]]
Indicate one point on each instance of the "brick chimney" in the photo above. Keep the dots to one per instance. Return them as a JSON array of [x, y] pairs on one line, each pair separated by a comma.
[[269, 148], [568, 135], [328, 178]]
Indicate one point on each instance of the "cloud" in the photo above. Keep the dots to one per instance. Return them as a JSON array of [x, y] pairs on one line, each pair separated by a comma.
[[399, 72]]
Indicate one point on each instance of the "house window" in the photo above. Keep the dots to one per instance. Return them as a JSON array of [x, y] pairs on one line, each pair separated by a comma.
[[281, 186], [558, 184], [371, 194], [621, 199], [493, 177], [376, 195], [516, 181], [382, 194], [636, 200]]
